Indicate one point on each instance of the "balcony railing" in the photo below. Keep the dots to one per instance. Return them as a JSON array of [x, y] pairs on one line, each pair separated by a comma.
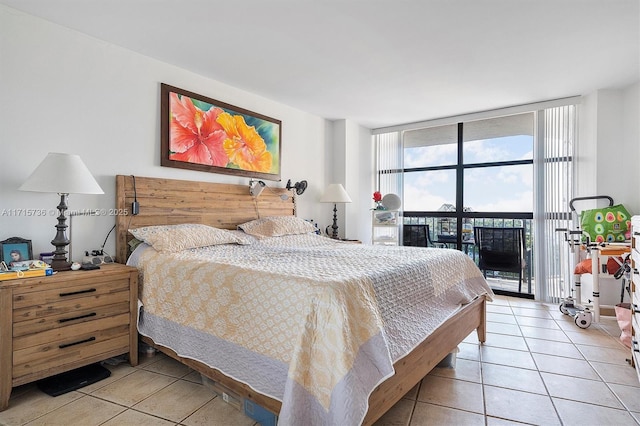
[[443, 233]]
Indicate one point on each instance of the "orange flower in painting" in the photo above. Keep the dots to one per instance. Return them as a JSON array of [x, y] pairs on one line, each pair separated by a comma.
[[244, 146], [195, 135]]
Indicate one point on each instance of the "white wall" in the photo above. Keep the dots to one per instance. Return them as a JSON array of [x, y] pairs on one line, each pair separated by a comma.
[[609, 146], [366, 176], [631, 140], [63, 91], [352, 166], [358, 176]]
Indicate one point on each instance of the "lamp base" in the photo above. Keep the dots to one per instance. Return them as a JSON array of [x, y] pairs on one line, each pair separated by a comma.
[[334, 234], [60, 265], [59, 262]]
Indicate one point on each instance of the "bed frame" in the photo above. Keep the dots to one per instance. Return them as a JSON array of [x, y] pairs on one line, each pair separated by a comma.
[[170, 201]]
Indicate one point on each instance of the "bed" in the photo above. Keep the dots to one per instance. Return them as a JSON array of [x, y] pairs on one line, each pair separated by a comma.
[[341, 353]]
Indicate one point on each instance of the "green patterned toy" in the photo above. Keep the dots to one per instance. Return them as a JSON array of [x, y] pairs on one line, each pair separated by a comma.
[[607, 224]]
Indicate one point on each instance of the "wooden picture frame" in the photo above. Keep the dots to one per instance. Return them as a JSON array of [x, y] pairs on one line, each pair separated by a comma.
[[204, 134], [15, 249]]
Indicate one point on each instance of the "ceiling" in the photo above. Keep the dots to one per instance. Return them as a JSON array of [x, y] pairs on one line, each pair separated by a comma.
[[377, 62]]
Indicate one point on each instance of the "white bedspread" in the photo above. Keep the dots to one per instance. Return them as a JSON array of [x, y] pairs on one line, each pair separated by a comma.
[[310, 321]]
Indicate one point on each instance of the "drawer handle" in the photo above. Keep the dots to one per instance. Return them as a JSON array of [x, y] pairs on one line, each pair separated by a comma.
[[72, 293], [66, 345], [634, 345], [92, 314], [637, 234], [635, 309]]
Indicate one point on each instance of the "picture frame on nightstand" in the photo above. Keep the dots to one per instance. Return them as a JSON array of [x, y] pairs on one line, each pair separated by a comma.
[[15, 249]]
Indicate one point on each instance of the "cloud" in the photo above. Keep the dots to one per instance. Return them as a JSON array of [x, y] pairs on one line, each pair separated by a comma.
[[427, 156], [495, 189], [418, 199]]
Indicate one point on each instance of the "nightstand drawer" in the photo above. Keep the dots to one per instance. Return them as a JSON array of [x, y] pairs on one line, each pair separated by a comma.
[[93, 292], [44, 317], [99, 344], [67, 334], [69, 315]]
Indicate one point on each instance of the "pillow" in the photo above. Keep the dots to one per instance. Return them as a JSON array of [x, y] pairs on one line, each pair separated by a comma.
[[277, 226], [172, 238]]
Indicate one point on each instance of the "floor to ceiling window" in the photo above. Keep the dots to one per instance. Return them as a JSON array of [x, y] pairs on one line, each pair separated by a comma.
[[508, 169], [472, 174]]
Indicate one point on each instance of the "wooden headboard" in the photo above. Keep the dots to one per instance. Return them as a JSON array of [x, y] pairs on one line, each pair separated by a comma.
[[170, 201]]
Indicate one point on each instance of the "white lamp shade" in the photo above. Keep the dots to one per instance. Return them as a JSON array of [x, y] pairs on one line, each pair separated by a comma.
[[62, 174], [335, 193]]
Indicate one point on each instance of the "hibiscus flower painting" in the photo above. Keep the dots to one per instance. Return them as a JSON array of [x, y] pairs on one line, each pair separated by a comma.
[[200, 133]]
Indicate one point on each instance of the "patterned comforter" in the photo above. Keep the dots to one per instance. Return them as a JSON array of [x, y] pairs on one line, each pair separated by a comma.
[[313, 322]]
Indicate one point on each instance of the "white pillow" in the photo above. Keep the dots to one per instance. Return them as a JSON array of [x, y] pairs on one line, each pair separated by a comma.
[[276, 226], [173, 238]]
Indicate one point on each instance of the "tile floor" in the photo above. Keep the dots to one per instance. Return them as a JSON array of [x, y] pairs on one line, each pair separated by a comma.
[[536, 367]]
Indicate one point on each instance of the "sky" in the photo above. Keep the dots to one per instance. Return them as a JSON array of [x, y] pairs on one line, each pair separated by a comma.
[[488, 189]]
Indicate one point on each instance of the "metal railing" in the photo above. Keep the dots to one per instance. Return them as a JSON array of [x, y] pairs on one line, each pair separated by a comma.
[[443, 233]]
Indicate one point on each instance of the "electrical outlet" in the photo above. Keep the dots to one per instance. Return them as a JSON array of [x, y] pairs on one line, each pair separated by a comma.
[[96, 257], [225, 397]]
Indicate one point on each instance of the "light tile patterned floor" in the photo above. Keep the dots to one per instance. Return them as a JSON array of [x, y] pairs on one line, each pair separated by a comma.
[[536, 367]]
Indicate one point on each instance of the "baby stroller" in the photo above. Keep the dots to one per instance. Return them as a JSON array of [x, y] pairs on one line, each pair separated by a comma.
[[602, 232]]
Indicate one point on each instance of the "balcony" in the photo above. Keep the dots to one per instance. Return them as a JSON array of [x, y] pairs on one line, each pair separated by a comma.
[[443, 233]]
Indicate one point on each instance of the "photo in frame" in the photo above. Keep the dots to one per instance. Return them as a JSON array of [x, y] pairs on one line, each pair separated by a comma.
[[204, 134], [15, 249]]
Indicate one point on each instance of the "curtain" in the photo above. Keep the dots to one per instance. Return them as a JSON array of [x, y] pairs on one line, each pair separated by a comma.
[[554, 177], [389, 163]]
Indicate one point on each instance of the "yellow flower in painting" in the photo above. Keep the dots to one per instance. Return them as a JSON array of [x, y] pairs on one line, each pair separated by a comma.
[[195, 135], [244, 146]]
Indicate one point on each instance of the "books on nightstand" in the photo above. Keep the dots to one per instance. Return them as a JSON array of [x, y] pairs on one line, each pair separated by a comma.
[[12, 275]]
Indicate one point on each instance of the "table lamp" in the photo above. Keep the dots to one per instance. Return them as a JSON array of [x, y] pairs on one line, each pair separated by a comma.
[[335, 193], [63, 174]]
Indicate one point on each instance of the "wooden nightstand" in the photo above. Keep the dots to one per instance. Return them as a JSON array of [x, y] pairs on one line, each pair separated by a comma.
[[49, 325]]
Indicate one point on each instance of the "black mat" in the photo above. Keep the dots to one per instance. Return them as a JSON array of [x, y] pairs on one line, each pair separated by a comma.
[[72, 380]]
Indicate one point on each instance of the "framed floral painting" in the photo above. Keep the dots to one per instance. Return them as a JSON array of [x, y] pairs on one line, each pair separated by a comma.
[[200, 133]]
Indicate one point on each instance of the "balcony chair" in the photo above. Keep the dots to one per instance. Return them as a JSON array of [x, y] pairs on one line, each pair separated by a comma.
[[501, 249], [416, 235]]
